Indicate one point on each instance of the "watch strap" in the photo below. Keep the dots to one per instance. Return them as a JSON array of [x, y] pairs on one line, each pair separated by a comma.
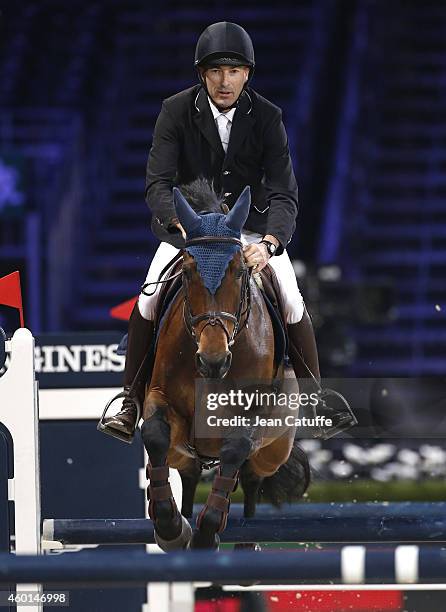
[[270, 246]]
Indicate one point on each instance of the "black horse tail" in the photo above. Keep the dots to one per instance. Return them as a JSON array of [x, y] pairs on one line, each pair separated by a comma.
[[290, 481]]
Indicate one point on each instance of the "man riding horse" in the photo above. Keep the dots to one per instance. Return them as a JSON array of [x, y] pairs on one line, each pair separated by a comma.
[[223, 130]]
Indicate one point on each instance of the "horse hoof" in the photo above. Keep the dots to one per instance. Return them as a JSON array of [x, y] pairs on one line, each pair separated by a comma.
[[205, 540], [180, 542], [251, 546]]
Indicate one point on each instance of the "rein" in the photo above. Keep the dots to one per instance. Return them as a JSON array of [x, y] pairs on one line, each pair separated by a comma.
[[162, 280], [218, 316]]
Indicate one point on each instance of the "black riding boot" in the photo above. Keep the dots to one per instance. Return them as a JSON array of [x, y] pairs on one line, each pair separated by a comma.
[[302, 348], [139, 342], [302, 351]]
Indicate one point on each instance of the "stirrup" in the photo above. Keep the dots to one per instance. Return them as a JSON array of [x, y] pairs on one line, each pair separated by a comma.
[[346, 421], [115, 433]]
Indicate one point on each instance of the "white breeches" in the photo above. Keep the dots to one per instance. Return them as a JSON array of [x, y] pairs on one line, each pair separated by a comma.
[[292, 298]]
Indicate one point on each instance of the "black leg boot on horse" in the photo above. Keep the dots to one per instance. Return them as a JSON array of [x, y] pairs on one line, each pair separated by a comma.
[[140, 337], [172, 530], [302, 351]]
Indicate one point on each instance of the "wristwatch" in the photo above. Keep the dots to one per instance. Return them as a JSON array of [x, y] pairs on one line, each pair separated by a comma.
[[270, 247]]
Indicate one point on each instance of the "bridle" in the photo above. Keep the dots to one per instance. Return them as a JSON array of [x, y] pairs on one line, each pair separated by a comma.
[[216, 317]]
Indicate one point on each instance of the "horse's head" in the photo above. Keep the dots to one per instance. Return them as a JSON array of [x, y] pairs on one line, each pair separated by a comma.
[[215, 281]]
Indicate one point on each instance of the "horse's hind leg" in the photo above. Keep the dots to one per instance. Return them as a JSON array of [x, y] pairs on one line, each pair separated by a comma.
[[212, 519], [250, 482], [172, 531], [190, 475]]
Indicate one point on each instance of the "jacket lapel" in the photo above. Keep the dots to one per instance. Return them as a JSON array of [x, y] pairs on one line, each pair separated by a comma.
[[241, 126], [205, 122]]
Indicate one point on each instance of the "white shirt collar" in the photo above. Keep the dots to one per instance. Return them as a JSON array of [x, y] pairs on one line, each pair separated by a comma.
[[216, 113]]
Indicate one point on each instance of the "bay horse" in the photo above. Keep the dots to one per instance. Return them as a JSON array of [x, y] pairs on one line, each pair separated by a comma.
[[217, 328]]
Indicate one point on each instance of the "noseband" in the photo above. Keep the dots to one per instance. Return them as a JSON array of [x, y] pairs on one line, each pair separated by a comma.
[[217, 317]]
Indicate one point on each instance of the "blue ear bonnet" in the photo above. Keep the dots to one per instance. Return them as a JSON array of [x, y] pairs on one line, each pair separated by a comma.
[[213, 258]]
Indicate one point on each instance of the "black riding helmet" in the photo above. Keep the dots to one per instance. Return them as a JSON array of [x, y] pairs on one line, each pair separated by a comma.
[[225, 43]]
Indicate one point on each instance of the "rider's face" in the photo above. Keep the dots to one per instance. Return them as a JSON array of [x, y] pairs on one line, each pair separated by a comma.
[[225, 83]]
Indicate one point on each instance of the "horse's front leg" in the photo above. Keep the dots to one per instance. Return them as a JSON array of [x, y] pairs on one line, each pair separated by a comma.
[[172, 531], [212, 519]]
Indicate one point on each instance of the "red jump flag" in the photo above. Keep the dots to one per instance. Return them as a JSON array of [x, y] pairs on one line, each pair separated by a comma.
[[11, 293], [124, 310]]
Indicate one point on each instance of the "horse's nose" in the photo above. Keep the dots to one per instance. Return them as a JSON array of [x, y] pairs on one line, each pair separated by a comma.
[[210, 367]]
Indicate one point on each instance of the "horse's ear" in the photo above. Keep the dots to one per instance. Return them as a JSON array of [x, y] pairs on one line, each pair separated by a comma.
[[236, 217], [186, 215]]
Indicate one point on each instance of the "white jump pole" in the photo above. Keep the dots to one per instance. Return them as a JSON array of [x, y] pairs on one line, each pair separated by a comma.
[[19, 412]]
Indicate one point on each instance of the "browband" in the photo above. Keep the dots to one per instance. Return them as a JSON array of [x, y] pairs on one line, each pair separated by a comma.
[[202, 239]]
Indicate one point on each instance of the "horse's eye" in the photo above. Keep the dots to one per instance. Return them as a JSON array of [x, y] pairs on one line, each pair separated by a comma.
[[187, 272], [239, 273]]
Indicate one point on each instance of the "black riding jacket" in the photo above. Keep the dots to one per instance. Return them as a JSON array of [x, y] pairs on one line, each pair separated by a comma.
[[186, 145]]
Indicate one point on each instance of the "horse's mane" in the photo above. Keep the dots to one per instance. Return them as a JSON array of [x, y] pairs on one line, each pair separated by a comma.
[[202, 197]]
